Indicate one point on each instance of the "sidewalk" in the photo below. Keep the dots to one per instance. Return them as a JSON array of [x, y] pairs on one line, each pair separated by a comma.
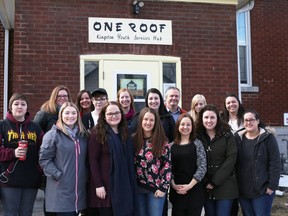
[[38, 206]]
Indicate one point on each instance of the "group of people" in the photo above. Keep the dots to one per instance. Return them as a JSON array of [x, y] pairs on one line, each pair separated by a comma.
[[102, 157]]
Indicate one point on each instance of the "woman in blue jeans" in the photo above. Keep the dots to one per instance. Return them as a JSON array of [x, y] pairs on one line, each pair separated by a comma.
[[152, 162], [221, 150], [258, 165]]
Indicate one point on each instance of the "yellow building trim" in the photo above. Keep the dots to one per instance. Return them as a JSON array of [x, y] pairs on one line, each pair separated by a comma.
[[230, 2]]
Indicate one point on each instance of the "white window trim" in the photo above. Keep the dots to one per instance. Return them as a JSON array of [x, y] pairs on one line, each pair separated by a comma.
[[248, 87], [101, 57]]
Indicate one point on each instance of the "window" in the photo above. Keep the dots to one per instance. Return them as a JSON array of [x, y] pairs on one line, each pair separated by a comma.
[[244, 48], [91, 75], [169, 72]]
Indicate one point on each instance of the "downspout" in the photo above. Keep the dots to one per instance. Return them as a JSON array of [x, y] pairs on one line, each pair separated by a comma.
[[6, 58]]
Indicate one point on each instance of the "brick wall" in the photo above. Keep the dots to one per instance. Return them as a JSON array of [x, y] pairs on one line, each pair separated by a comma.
[[269, 60], [50, 36]]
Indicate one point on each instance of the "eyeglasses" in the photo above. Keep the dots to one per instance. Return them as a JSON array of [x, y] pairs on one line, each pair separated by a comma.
[[110, 115], [62, 96], [99, 99], [246, 121]]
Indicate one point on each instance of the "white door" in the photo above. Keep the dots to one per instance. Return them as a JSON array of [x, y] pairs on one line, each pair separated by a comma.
[[137, 76]]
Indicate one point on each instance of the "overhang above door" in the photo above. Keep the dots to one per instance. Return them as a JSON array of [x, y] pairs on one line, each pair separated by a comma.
[[7, 13]]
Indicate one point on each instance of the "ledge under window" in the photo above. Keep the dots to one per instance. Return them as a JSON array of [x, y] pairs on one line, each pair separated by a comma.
[[249, 89]]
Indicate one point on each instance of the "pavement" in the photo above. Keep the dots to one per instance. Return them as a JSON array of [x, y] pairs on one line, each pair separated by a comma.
[[38, 205]]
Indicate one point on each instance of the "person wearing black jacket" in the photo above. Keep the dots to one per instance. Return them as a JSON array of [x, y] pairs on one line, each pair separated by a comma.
[[20, 171], [258, 165], [154, 100], [220, 180], [48, 114]]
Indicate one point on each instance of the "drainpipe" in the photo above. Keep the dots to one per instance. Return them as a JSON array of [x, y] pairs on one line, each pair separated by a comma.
[[6, 57]]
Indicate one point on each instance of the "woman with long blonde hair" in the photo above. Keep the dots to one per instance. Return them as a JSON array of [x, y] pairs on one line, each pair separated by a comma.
[[63, 158], [197, 103]]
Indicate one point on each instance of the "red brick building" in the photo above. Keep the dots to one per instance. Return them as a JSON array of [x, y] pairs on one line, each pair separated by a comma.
[[49, 45]]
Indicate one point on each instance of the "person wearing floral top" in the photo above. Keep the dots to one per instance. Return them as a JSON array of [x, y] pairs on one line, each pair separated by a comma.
[[152, 163]]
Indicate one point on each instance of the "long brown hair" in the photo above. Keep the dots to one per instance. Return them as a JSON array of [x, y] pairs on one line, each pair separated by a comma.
[[50, 106], [158, 138], [102, 126], [78, 99], [192, 135]]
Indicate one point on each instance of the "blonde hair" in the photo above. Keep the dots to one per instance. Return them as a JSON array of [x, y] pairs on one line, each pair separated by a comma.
[[60, 122], [194, 101]]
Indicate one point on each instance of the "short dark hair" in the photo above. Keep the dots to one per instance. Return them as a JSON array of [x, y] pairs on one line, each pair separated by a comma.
[[17, 96]]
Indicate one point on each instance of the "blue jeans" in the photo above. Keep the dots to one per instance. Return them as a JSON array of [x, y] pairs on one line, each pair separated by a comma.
[[218, 207], [18, 201], [260, 206], [150, 205]]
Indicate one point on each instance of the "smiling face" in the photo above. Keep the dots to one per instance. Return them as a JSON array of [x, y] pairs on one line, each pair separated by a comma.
[[209, 120], [250, 122], [185, 126], [125, 100], [172, 99], [232, 105], [19, 109], [153, 101], [148, 123], [113, 116], [69, 116], [85, 101]]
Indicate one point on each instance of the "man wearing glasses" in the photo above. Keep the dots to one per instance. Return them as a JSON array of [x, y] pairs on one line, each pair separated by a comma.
[[99, 99]]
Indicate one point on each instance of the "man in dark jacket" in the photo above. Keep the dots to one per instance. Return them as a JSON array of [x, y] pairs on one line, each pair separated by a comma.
[[172, 98]]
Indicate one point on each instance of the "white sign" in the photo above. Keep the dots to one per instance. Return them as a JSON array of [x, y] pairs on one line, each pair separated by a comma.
[[286, 119], [130, 31]]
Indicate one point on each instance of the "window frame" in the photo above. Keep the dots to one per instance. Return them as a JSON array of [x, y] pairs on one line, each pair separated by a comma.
[[248, 86], [247, 45]]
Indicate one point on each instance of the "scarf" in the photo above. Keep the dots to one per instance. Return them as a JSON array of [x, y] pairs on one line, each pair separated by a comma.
[[130, 114]]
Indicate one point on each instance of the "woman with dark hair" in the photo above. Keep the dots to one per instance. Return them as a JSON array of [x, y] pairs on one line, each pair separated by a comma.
[[258, 165], [188, 159], [48, 114], [112, 185], [20, 171], [154, 100], [233, 112], [152, 163], [84, 102], [220, 145], [233, 115]]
